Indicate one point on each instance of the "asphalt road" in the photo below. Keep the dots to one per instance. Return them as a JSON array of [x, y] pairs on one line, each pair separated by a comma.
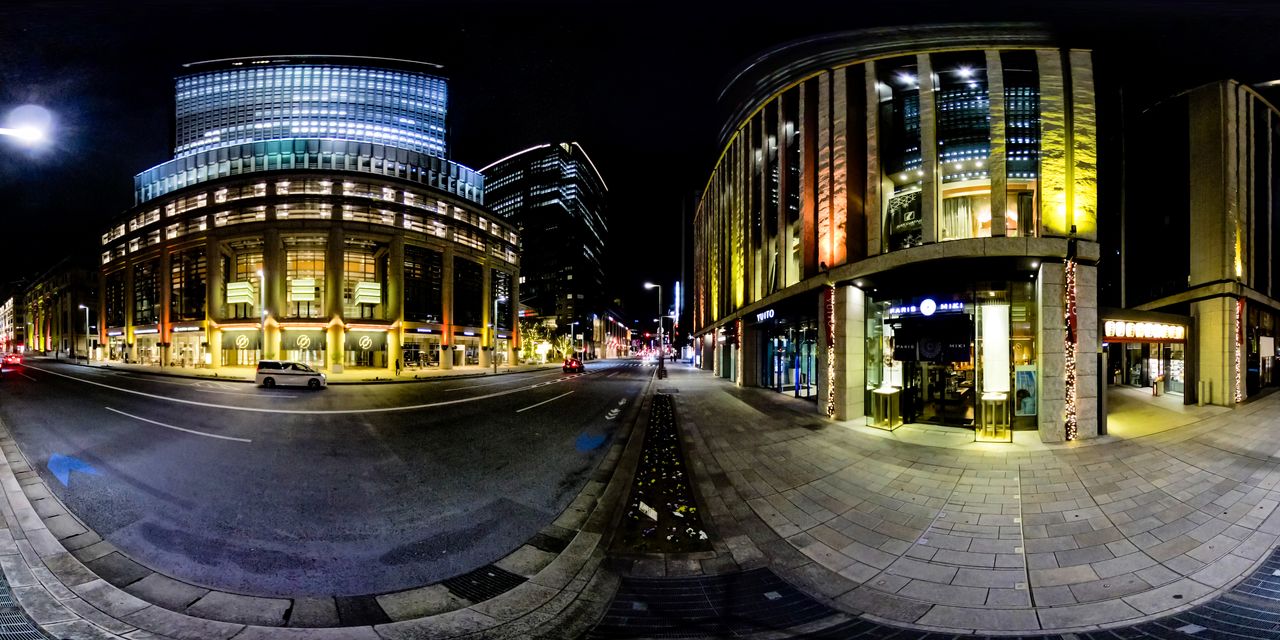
[[349, 490]]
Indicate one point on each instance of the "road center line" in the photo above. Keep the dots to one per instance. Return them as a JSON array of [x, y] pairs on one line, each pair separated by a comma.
[[201, 389], [27, 377], [169, 426], [490, 384], [543, 402], [307, 412]]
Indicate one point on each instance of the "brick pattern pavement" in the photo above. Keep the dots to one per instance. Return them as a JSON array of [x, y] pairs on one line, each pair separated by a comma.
[[994, 537]]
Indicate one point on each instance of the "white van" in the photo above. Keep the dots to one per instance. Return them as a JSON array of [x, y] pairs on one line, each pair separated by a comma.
[[287, 373]]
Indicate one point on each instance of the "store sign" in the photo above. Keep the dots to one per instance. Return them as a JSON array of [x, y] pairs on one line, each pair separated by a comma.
[[140, 332], [115, 333], [187, 329], [302, 289], [240, 293], [927, 307], [1125, 331], [764, 316], [304, 340], [367, 340], [368, 293], [240, 339]]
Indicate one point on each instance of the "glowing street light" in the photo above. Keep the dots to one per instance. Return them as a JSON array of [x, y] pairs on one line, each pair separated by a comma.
[[28, 124], [661, 351]]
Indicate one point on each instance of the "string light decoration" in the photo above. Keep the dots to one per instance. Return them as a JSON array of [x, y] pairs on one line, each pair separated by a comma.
[[829, 311], [737, 332], [1069, 350], [1239, 348]]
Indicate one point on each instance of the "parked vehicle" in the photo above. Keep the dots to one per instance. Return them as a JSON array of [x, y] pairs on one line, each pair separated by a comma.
[[287, 373]]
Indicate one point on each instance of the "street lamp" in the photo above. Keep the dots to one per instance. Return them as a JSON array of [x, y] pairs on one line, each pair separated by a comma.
[[87, 353], [650, 285], [495, 333], [573, 346]]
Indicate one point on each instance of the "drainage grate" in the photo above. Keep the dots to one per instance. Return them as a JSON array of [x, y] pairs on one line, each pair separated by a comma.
[[668, 391], [483, 583]]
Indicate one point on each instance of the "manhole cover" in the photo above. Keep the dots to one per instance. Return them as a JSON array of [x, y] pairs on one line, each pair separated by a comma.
[[483, 583]]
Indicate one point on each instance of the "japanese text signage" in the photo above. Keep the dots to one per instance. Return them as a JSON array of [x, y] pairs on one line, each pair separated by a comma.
[[1125, 331]]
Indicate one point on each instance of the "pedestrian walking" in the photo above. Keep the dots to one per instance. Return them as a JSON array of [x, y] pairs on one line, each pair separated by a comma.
[[397, 367]]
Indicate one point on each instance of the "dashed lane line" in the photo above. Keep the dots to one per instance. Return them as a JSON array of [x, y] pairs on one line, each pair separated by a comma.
[[490, 384], [543, 402], [202, 389], [308, 412], [27, 377], [169, 426]]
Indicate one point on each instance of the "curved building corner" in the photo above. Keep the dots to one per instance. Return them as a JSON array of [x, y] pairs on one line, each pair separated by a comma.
[[902, 227]]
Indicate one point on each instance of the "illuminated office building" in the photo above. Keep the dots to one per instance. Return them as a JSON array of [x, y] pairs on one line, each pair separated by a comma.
[[555, 197], [309, 213], [902, 225]]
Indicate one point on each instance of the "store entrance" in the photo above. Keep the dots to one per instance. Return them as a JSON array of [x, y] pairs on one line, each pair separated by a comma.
[[937, 369], [790, 359]]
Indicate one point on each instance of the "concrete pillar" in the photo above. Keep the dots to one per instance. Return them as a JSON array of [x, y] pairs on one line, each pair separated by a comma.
[[826, 385], [1087, 352], [749, 355], [850, 361], [394, 309], [166, 287], [1050, 334], [446, 304], [129, 298], [214, 336], [1215, 328], [486, 315], [929, 204], [335, 344], [873, 177]]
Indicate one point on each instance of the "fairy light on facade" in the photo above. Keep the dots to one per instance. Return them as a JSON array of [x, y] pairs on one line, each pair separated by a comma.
[[829, 324], [737, 332], [1069, 350], [1239, 348]]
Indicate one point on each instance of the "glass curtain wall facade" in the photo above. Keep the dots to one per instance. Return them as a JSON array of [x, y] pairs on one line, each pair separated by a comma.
[[928, 212]]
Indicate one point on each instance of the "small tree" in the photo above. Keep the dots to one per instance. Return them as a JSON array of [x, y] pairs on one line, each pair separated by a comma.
[[564, 344], [531, 334]]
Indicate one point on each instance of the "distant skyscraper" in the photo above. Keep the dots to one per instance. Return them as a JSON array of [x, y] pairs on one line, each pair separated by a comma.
[[556, 198]]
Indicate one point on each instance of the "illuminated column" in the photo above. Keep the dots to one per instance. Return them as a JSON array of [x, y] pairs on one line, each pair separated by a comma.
[[446, 305], [1050, 336], [748, 347], [213, 298], [1216, 348], [1084, 148], [486, 312], [784, 230], [129, 300], [840, 231], [850, 360], [996, 159], [874, 179], [273, 271], [1055, 189], [513, 303], [809, 104], [394, 310], [824, 215], [335, 336], [166, 286], [929, 204], [826, 347]]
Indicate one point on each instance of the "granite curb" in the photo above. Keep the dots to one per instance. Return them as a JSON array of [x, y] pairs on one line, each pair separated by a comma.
[[64, 575]]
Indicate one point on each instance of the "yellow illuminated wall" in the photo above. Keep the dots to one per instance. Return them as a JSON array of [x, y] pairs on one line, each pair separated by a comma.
[[1053, 147], [1084, 147]]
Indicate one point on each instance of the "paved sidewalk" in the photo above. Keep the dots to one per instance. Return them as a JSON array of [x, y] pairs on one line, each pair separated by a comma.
[[349, 376], [964, 537]]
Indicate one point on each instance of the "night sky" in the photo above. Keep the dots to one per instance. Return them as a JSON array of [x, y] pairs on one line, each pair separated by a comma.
[[634, 83]]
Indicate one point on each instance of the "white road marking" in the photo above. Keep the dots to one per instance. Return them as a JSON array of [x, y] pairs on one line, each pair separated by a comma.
[[169, 426], [27, 377], [200, 386], [305, 412], [490, 384], [543, 402]]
